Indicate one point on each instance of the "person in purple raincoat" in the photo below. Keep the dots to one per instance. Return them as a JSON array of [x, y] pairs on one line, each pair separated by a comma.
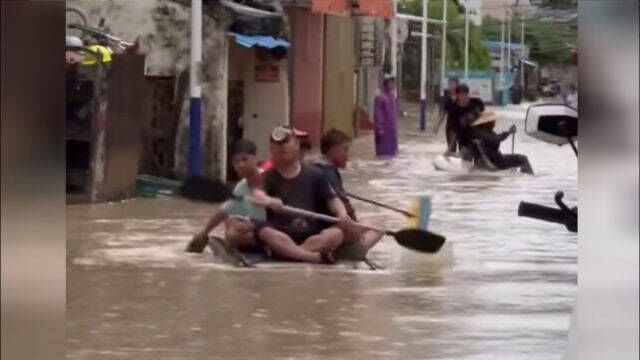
[[385, 118]]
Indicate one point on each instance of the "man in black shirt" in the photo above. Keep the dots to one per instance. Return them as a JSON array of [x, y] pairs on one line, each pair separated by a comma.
[[334, 147], [462, 114], [293, 184], [448, 101]]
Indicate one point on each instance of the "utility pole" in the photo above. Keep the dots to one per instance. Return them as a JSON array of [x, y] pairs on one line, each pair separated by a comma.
[[522, 46], [195, 90]]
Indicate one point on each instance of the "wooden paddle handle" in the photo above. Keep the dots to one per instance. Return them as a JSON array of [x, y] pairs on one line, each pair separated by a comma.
[[327, 218], [312, 215]]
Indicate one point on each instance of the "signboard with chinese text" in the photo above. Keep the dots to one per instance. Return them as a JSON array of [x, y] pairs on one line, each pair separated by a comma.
[[267, 73]]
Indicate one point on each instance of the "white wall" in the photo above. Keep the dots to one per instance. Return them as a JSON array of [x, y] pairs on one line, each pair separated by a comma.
[[266, 104]]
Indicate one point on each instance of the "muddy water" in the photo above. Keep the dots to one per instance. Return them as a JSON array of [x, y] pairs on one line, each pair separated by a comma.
[[502, 288]]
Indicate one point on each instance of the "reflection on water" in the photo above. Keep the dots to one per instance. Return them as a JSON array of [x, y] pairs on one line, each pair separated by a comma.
[[501, 288]]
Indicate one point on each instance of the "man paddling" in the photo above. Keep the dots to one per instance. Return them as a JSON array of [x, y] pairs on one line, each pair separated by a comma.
[[237, 215], [305, 147], [334, 148], [293, 184]]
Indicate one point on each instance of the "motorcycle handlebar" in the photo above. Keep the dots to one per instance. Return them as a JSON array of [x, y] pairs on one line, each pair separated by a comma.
[[541, 212]]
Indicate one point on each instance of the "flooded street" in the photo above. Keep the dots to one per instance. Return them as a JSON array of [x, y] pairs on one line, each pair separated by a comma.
[[503, 287]]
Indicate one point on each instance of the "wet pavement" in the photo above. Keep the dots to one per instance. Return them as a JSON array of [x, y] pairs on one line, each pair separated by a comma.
[[503, 287]]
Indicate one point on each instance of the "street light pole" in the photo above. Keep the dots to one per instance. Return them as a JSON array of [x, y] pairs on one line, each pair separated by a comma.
[[509, 14], [423, 67], [501, 58], [443, 65], [195, 90], [394, 40], [466, 41], [522, 51]]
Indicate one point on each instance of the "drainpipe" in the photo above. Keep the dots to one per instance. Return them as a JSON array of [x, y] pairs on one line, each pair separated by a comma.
[[195, 110]]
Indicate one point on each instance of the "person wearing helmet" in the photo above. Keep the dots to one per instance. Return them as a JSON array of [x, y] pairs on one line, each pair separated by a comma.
[[98, 51], [73, 45]]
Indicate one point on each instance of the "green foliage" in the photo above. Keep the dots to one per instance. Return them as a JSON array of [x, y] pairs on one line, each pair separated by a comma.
[[548, 42], [479, 57]]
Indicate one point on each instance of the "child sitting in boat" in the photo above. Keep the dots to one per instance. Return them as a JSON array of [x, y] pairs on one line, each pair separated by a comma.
[[237, 215], [334, 148]]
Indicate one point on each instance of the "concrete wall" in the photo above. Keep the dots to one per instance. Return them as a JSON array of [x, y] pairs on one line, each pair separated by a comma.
[[339, 79], [164, 31], [307, 74]]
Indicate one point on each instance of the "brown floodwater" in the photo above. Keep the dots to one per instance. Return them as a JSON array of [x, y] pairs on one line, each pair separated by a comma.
[[503, 287]]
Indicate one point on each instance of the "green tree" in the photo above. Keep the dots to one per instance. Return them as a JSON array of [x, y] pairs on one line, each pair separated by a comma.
[[549, 42], [479, 57]]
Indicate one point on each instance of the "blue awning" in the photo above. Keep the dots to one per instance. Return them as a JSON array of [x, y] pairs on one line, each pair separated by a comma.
[[268, 42]]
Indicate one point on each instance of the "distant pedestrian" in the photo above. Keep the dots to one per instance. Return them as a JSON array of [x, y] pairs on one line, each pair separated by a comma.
[[385, 116], [572, 97], [449, 101]]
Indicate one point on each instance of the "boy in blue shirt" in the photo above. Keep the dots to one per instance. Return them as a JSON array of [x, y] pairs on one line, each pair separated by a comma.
[[237, 215]]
